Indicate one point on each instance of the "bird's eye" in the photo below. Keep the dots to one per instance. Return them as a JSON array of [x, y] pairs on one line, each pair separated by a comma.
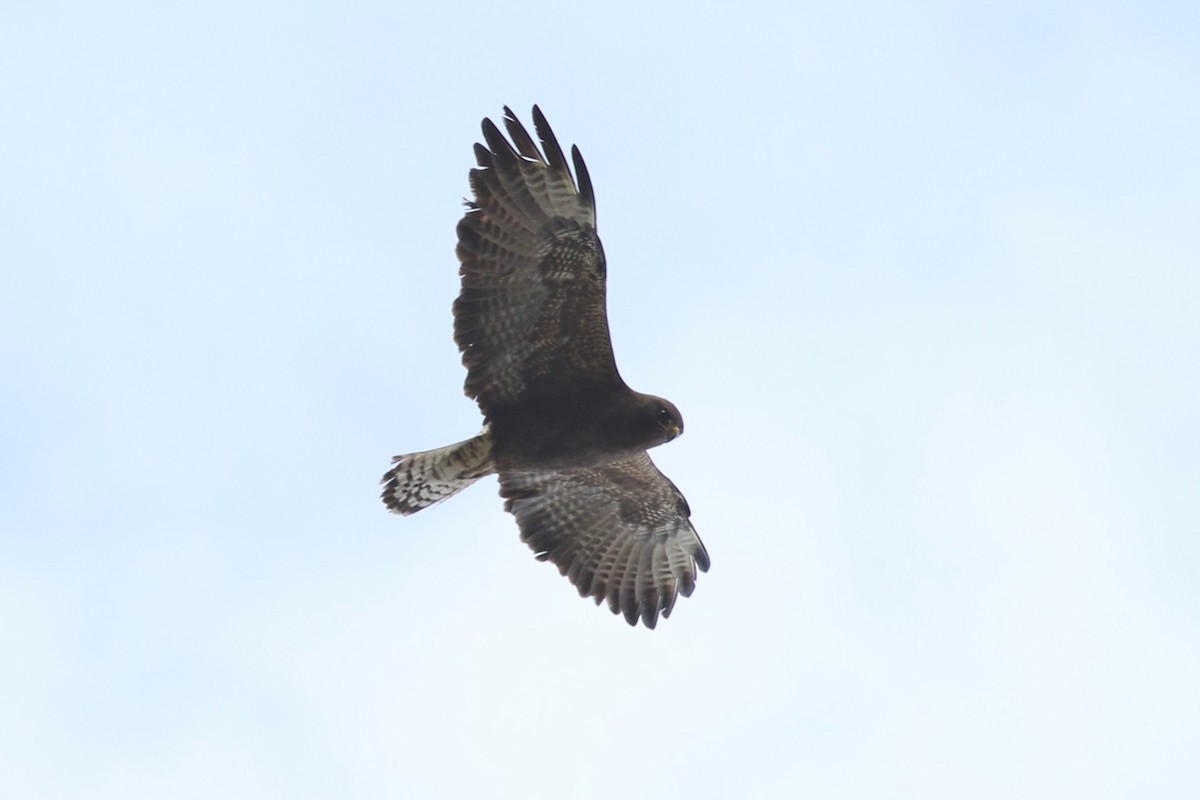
[[663, 413]]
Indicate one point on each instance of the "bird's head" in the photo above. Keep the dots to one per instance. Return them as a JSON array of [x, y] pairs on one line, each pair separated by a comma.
[[663, 418]]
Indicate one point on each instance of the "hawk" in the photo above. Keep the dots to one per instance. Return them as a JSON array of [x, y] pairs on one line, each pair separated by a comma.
[[563, 432]]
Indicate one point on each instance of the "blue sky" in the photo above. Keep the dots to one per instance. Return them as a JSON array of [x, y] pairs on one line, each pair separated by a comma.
[[921, 278]]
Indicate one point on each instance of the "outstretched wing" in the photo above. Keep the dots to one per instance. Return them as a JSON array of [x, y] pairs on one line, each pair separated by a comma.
[[620, 532], [530, 318]]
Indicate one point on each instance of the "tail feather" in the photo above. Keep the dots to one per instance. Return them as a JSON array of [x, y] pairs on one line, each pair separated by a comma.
[[418, 480]]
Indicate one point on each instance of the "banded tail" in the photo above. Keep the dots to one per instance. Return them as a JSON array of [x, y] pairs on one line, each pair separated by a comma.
[[418, 480]]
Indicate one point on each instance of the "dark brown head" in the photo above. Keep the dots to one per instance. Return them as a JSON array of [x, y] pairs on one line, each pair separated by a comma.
[[659, 420]]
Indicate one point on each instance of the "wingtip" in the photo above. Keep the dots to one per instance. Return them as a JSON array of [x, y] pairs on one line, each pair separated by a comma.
[[585, 180], [650, 610], [550, 145], [496, 142]]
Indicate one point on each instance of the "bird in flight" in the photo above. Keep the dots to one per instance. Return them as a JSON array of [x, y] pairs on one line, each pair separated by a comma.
[[565, 435]]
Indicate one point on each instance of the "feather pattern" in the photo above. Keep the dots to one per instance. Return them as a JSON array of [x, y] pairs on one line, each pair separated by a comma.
[[418, 480], [637, 556], [533, 273]]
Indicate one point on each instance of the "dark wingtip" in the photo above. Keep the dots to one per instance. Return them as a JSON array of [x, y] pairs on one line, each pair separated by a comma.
[[520, 137], [495, 140], [484, 156], [585, 180], [669, 602], [650, 613], [550, 146]]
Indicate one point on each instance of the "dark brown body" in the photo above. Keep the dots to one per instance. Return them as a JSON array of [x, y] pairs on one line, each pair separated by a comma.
[[581, 429]]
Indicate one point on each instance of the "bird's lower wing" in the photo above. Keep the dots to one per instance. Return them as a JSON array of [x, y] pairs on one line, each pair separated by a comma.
[[619, 531]]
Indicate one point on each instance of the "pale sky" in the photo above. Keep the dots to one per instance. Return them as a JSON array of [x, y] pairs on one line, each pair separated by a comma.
[[921, 277]]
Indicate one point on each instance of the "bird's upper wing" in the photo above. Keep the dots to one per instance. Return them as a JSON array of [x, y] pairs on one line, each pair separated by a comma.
[[530, 318], [619, 531]]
